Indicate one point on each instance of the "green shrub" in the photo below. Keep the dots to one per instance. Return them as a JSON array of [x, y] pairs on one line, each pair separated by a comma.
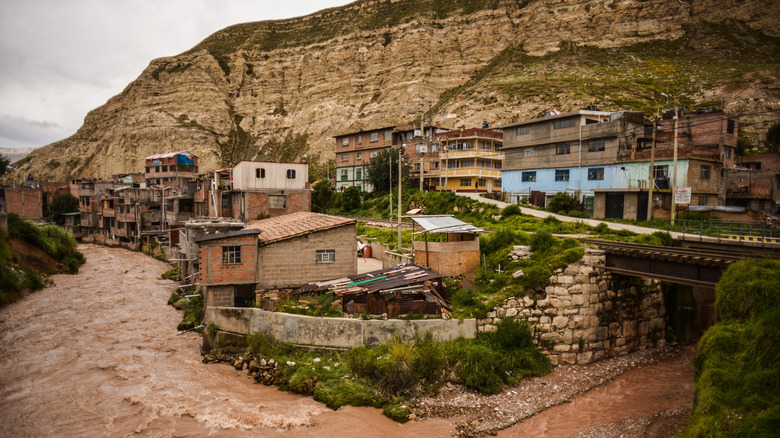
[[172, 274], [430, 364], [562, 202], [71, 265], [396, 412], [193, 314], [512, 334], [511, 210], [542, 241], [747, 288], [479, 369], [336, 393], [601, 228]]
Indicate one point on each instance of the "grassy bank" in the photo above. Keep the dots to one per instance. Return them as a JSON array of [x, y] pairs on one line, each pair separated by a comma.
[[389, 376], [737, 390], [49, 250]]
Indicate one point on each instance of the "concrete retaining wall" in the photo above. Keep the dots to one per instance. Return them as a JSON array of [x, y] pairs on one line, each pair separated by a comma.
[[334, 332]]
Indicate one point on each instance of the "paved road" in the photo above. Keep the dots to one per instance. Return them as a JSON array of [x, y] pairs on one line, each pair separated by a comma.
[[591, 222]]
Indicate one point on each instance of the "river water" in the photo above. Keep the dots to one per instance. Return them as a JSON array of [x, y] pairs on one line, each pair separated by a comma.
[[98, 354]]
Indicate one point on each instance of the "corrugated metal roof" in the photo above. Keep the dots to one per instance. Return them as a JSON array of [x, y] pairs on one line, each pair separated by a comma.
[[168, 155], [445, 224]]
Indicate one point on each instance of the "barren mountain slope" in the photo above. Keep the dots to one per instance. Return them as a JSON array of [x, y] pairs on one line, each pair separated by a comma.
[[280, 89]]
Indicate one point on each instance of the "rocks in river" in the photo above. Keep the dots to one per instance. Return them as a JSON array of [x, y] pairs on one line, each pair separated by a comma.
[[261, 369]]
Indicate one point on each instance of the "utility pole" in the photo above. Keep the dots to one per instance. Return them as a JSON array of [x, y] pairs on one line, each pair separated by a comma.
[[390, 186], [652, 175], [400, 167], [674, 168]]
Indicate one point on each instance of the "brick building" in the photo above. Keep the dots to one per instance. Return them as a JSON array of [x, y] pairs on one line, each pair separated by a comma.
[[254, 189], [274, 253], [32, 199]]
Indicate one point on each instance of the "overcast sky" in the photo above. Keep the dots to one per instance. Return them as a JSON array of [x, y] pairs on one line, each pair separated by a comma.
[[62, 58]]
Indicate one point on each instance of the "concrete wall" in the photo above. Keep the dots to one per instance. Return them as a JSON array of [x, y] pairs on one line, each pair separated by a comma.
[[587, 315], [334, 332]]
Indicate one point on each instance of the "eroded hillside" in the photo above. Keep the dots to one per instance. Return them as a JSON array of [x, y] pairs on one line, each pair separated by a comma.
[[278, 90]]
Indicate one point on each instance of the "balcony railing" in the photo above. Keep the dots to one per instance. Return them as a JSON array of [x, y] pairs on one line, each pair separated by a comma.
[[472, 153], [472, 171]]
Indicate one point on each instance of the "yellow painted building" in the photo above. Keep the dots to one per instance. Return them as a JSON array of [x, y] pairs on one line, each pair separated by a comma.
[[470, 160]]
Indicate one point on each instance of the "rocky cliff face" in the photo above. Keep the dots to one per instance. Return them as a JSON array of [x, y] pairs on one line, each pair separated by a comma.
[[279, 90]]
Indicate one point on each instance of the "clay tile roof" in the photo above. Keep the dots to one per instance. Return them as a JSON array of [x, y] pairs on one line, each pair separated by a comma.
[[294, 225]]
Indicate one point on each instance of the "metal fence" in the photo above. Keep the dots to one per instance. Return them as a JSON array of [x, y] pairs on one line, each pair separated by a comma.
[[735, 230]]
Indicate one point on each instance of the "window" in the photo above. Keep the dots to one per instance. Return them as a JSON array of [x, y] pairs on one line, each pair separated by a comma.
[[374, 136], [596, 174], [344, 157], [465, 182], [497, 183], [561, 175], [326, 255], [260, 173], [563, 124], [596, 145], [704, 173], [277, 201], [497, 165], [358, 156], [388, 135], [523, 130], [727, 152], [290, 173], [730, 126], [358, 174], [435, 165], [702, 200], [529, 152], [231, 255], [417, 167], [344, 174], [562, 149], [660, 171], [528, 176], [482, 182], [372, 154], [360, 139], [345, 141]]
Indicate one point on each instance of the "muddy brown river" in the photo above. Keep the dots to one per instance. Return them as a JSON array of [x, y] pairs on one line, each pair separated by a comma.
[[98, 354]]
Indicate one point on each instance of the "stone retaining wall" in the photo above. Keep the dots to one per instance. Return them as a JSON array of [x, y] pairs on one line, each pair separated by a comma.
[[587, 314], [334, 332]]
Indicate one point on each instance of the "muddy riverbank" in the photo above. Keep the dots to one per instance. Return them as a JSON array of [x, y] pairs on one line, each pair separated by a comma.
[[98, 354]]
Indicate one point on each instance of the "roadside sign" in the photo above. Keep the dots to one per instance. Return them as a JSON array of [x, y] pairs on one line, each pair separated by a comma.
[[682, 195]]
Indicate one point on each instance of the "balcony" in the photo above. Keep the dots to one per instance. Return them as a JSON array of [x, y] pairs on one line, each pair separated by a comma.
[[108, 212], [472, 153], [471, 172]]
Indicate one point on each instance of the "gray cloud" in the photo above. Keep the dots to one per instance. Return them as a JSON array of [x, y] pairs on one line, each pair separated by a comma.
[[62, 59]]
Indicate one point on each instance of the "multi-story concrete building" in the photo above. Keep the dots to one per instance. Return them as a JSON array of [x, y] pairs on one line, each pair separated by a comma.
[[470, 160], [354, 152], [754, 183], [253, 190], [172, 169], [603, 159]]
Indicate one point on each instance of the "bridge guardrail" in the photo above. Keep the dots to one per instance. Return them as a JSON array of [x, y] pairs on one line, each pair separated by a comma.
[[734, 230]]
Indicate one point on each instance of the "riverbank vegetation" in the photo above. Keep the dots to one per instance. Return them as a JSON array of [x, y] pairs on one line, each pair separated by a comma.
[[30, 253], [390, 375], [737, 386]]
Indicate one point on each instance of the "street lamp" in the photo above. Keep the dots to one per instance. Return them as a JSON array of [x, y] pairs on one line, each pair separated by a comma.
[[674, 165]]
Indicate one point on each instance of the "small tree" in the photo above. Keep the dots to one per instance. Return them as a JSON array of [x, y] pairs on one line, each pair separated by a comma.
[[323, 196], [383, 168], [563, 202], [62, 204], [351, 198], [5, 162], [773, 138]]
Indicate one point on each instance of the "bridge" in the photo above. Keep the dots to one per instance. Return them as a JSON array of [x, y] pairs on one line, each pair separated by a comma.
[[694, 264]]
